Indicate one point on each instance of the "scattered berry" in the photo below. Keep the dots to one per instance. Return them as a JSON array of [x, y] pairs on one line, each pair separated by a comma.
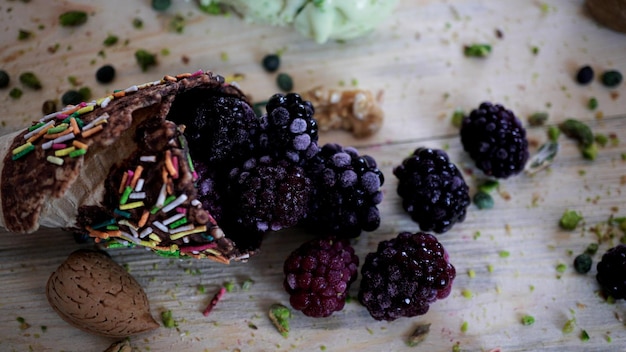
[[584, 75], [48, 107], [4, 79], [582, 263], [346, 191], [404, 276], [161, 5], [71, 97], [483, 200], [612, 78], [271, 62], [269, 194], [105, 74], [496, 140], [318, 276], [612, 272], [289, 128], [432, 189], [285, 82]]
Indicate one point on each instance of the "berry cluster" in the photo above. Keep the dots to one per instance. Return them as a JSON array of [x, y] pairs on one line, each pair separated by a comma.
[[259, 174]]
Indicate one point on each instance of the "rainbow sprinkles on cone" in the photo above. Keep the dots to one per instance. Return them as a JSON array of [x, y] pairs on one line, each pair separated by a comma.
[[118, 169]]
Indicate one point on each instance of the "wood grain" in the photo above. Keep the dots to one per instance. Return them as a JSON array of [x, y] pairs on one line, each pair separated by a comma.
[[416, 59]]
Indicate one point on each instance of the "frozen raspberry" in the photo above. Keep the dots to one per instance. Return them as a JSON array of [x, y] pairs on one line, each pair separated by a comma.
[[220, 129], [289, 129], [404, 276], [318, 276], [346, 191], [432, 189], [495, 139], [269, 194], [612, 272]]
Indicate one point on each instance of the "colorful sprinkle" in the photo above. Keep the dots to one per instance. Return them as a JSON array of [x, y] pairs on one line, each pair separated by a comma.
[[121, 213], [23, 152], [80, 145], [64, 152], [21, 148], [139, 186], [145, 232], [78, 152], [55, 160], [178, 201], [148, 158], [91, 131], [160, 226], [125, 195], [131, 205], [179, 235]]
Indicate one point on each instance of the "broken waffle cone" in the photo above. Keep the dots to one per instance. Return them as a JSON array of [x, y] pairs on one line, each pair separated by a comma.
[[118, 169]]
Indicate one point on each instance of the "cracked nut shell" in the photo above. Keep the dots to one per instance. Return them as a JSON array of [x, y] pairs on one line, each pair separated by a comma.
[[92, 292]]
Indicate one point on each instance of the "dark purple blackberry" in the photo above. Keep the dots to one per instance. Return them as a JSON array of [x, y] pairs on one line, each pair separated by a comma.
[[495, 139], [432, 189], [220, 129], [269, 194], [211, 188], [612, 272], [289, 128], [346, 192], [318, 276], [404, 276]]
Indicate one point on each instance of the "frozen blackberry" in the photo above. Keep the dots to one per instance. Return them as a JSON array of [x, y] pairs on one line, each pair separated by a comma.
[[432, 189], [495, 139], [269, 194], [289, 128], [318, 275], [612, 272], [404, 276], [220, 129], [346, 191]]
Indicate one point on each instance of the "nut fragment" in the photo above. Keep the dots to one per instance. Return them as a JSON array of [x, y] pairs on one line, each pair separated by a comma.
[[93, 293], [357, 111]]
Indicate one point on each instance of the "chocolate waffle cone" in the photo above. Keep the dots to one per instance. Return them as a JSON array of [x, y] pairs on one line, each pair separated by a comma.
[[118, 169]]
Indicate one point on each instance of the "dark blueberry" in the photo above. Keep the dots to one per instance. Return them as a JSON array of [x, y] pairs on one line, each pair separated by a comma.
[[612, 78], [105, 74], [285, 82], [271, 62], [161, 5], [404, 276], [432, 189], [318, 276], [71, 97], [584, 75], [582, 263], [4, 79], [48, 107]]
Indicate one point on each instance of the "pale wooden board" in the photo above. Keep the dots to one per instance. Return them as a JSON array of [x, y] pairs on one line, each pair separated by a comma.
[[416, 59]]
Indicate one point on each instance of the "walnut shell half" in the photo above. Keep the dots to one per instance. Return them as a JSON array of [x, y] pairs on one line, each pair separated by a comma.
[[92, 292]]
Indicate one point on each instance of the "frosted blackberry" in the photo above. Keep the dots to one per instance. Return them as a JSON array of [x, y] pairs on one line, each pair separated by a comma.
[[495, 139], [612, 272], [289, 128], [220, 129], [269, 194], [404, 276], [432, 189], [346, 191], [318, 276]]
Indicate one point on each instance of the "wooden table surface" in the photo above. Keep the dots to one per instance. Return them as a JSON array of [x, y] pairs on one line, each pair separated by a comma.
[[416, 59]]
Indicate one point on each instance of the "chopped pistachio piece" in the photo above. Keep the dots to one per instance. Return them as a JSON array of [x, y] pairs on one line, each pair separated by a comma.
[[418, 335], [280, 315]]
